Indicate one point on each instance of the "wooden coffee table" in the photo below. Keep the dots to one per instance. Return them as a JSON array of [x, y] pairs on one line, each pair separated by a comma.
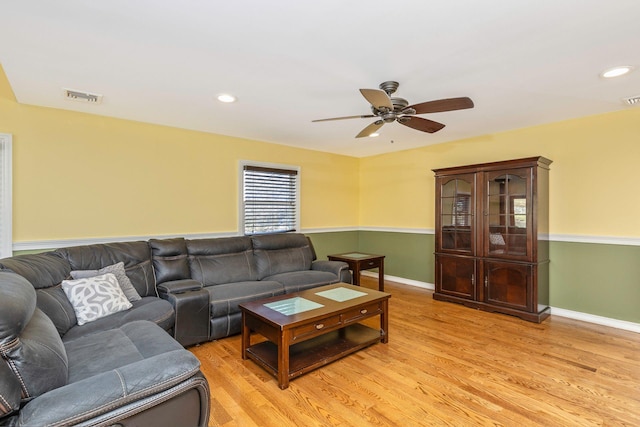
[[309, 329]]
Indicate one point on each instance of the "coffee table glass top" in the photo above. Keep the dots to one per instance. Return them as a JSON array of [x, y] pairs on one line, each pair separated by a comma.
[[293, 305], [341, 294]]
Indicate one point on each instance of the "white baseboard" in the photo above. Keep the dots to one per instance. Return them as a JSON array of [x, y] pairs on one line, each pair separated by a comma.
[[560, 312], [402, 280], [599, 320]]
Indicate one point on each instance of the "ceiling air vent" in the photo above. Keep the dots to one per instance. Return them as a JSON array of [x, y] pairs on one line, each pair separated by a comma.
[[633, 100], [76, 95]]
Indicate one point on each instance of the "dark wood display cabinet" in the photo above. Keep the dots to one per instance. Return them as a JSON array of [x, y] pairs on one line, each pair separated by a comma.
[[492, 225]]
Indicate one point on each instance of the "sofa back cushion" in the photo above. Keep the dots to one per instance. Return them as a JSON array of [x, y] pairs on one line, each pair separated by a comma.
[[136, 257], [281, 253], [42, 270], [45, 271], [169, 259], [221, 260], [29, 343]]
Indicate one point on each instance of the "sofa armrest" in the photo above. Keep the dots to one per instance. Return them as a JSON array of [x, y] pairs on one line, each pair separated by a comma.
[[190, 303], [339, 268], [121, 393], [179, 286]]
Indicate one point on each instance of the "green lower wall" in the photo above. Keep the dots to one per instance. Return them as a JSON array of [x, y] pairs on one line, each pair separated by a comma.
[[407, 255], [597, 279], [333, 243], [594, 278]]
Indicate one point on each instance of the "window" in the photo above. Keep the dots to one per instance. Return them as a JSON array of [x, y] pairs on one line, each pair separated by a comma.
[[270, 198], [6, 240]]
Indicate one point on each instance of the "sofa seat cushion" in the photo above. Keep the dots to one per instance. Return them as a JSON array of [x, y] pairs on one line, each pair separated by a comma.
[[101, 352], [224, 299], [295, 281], [153, 309]]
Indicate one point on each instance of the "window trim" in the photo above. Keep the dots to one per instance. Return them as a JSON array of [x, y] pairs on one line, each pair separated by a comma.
[[6, 199], [242, 164]]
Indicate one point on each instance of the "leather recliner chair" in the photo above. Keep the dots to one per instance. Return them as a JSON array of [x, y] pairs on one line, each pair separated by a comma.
[[134, 374]]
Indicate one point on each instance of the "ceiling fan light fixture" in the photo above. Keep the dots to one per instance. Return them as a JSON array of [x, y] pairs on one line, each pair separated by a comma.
[[616, 71], [373, 135]]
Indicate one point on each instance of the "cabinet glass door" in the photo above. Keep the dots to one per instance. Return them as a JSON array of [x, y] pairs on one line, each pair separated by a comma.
[[508, 213], [457, 204]]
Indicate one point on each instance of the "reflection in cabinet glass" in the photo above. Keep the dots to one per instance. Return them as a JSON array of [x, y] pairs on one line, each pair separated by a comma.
[[456, 214], [500, 244]]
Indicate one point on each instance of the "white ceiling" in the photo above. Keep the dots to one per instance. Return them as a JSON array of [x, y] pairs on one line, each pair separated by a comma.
[[523, 62]]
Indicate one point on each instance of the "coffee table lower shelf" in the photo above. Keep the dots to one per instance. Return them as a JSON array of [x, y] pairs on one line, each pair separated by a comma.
[[316, 352]]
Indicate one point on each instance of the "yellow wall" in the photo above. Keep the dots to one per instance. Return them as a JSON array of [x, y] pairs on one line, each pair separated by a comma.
[[594, 177], [85, 176], [82, 176]]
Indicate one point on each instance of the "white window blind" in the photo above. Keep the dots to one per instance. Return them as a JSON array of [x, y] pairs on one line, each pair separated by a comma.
[[269, 199], [6, 240]]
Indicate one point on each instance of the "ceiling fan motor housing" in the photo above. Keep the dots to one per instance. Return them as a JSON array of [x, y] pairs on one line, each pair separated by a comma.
[[389, 87]]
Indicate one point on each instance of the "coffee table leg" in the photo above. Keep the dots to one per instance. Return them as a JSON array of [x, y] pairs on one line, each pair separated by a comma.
[[246, 336], [283, 359], [384, 321]]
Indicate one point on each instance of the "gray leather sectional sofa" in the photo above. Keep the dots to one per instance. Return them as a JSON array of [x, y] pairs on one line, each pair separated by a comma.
[[130, 367], [206, 279]]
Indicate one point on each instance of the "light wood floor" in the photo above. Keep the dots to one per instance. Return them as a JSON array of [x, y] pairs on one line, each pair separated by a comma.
[[445, 364]]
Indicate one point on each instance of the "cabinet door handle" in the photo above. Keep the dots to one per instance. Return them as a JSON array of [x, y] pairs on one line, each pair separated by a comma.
[[486, 281], [363, 311], [473, 280], [320, 326]]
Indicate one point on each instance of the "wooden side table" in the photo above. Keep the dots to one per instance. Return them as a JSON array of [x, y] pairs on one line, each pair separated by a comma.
[[362, 261]]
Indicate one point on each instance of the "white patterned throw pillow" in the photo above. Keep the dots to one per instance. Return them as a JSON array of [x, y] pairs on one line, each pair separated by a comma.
[[95, 297]]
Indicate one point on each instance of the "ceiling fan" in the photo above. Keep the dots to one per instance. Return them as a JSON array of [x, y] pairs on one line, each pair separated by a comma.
[[388, 109]]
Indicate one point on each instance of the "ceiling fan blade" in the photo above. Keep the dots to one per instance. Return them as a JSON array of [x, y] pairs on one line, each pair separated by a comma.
[[372, 128], [440, 105], [418, 123], [377, 98], [344, 118]]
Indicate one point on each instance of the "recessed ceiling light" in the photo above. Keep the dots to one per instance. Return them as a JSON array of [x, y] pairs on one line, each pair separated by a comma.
[[225, 97], [616, 71], [373, 135]]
